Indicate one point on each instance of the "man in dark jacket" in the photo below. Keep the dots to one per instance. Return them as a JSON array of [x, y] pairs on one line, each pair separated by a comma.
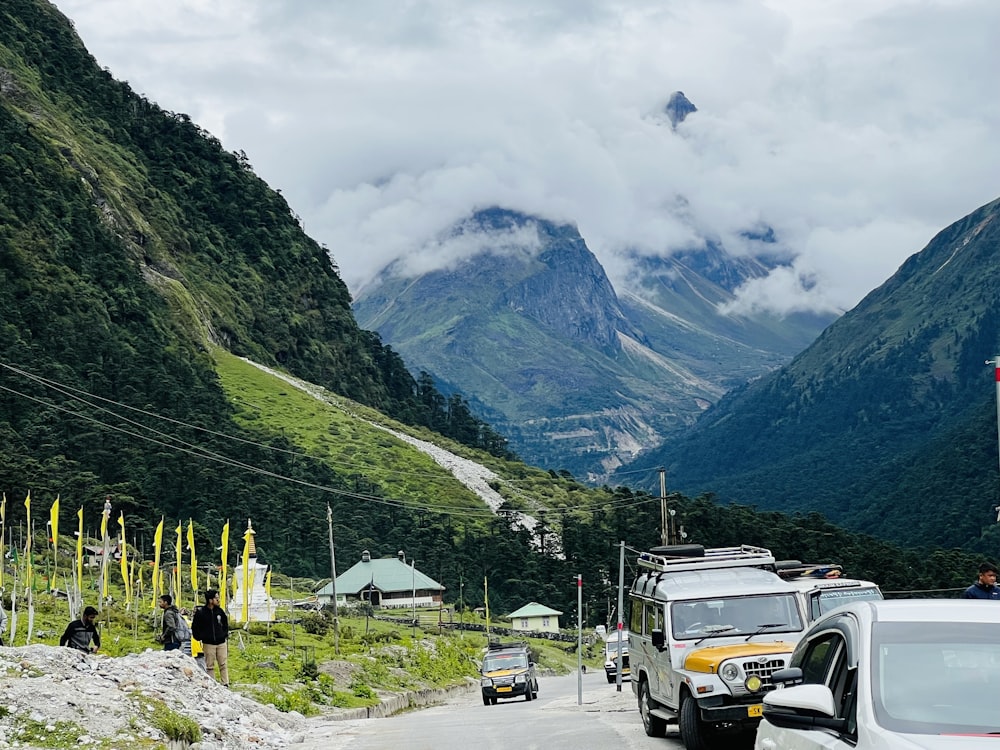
[[986, 587], [82, 634], [211, 626], [174, 630]]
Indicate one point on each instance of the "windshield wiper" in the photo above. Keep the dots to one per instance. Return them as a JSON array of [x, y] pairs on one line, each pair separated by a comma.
[[761, 628], [710, 630]]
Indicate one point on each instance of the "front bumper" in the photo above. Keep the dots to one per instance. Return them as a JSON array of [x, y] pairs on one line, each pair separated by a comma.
[[744, 714], [505, 691]]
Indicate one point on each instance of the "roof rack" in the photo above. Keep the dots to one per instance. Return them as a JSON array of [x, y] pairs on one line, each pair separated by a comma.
[[719, 557], [500, 646]]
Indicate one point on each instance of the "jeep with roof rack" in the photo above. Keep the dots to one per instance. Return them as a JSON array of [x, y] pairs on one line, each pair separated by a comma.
[[707, 629], [508, 672], [823, 587]]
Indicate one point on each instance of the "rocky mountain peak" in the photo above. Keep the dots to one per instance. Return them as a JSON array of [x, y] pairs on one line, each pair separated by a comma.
[[678, 108]]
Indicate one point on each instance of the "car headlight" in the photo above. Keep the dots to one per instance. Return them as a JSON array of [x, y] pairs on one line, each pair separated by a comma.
[[729, 672], [486, 682], [518, 679], [754, 683]]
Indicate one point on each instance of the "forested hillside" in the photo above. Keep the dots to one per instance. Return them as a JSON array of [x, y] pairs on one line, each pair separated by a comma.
[[887, 423], [131, 242]]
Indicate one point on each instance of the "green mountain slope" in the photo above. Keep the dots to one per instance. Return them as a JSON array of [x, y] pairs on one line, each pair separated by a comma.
[[575, 375], [887, 422]]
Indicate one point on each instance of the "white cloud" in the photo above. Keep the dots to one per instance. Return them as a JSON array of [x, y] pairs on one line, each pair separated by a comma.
[[855, 129]]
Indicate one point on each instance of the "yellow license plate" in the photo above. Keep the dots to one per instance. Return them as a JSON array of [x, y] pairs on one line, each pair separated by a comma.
[[757, 710], [507, 690]]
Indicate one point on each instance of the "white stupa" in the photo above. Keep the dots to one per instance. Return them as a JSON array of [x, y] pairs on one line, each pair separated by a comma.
[[259, 607]]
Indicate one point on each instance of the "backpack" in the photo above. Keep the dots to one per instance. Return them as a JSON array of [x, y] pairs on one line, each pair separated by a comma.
[[183, 631]]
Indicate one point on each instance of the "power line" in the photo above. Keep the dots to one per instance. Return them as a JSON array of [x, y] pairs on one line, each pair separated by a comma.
[[183, 446]]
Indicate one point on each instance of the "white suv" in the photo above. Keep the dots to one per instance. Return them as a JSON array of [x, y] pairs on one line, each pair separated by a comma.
[[905, 674], [823, 587], [707, 629]]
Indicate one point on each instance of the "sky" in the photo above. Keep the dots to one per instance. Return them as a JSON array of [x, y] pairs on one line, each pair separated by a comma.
[[855, 129]]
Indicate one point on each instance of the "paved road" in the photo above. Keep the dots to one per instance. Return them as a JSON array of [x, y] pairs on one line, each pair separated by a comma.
[[606, 720]]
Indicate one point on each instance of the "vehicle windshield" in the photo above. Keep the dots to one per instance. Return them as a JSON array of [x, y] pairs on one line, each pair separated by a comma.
[[493, 662], [611, 646], [832, 598], [936, 678], [738, 615]]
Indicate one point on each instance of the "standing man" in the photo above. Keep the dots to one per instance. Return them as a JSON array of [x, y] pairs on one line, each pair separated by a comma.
[[82, 634], [175, 630], [986, 587], [211, 626], [3, 619]]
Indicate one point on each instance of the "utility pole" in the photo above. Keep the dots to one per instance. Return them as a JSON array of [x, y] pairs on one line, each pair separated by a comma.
[[579, 640], [413, 594], [664, 535], [621, 596], [333, 580]]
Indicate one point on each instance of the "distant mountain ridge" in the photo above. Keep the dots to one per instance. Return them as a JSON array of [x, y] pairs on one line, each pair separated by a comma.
[[887, 422], [577, 375]]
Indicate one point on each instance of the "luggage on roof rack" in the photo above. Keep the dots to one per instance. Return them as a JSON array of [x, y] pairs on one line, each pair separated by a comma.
[[808, 570]]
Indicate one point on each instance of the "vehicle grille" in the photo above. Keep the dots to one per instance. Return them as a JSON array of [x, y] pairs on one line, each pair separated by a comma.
[[762, 670], [509, 680]]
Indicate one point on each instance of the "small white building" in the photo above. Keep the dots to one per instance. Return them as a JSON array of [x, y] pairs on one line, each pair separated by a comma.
[[535, 618]]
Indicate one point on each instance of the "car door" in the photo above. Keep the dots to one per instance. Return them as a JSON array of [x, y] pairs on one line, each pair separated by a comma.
[[824, 661]]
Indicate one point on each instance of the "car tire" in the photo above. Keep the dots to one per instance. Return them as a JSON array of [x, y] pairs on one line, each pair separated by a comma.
[[486, 701], [694, 734], [611, 679], [654, 725]]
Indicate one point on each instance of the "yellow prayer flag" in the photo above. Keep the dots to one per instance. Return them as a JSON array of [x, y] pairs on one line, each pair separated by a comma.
[[177, 567], [194, 560], [157, 543], [246, 573], [124, 560], [3, 534], [225, 563], [79, 550], [28, 578], [54, 522]]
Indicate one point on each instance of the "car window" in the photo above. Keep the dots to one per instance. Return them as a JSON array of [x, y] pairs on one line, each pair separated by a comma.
[[936, 678], [735, 615], [635, 624], [829, 599], [652, 617]]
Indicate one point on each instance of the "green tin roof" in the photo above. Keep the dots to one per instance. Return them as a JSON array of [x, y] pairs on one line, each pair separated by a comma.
[[388, 574], [533, 609]]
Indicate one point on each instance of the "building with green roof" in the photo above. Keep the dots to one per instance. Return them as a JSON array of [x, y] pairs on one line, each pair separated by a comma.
[[388, 582], [535, 618]]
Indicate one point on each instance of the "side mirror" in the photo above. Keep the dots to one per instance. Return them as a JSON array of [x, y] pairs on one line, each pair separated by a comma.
[[657, 638], [803, 707], [787, 677]]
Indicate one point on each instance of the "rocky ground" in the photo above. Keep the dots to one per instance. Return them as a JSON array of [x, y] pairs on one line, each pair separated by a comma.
[[65, 698], [58, 697]]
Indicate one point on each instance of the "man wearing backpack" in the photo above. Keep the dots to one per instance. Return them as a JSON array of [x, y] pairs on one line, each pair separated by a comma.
[[175, 628]]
